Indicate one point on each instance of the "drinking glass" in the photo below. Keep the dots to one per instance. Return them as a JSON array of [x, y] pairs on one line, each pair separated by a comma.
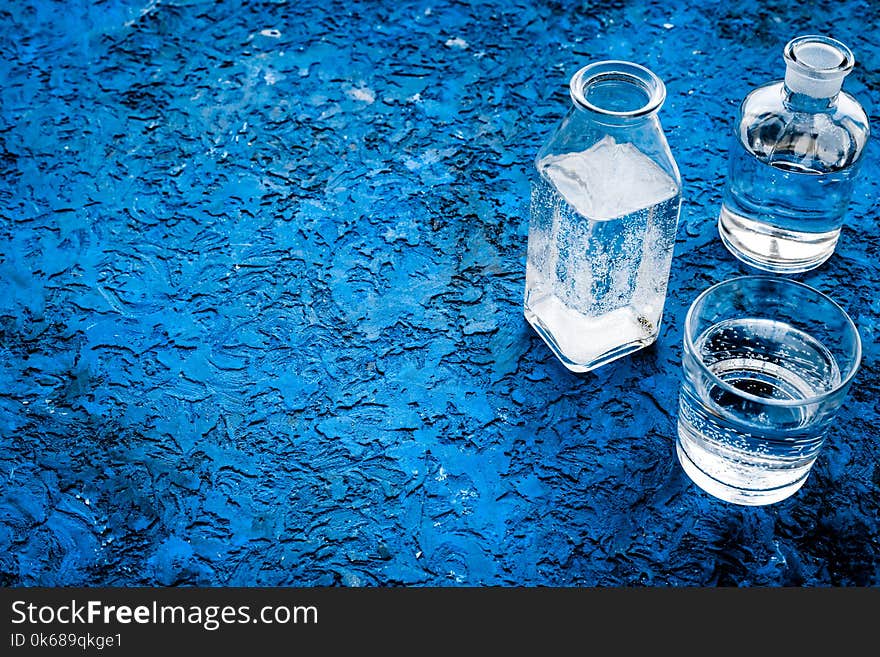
[[766, 366]]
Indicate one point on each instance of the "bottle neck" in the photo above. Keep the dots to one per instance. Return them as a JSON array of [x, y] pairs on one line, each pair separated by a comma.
[[815, 67], [801, 102]]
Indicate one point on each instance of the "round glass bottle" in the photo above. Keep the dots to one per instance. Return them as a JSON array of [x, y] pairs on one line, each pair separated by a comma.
[[794, 158], [604, 212]]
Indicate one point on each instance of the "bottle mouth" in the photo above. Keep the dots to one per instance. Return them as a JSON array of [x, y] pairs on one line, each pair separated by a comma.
[[617, 89], [819, 57]]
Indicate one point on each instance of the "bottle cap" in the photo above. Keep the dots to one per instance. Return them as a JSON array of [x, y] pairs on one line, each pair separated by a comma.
[[816, 65]]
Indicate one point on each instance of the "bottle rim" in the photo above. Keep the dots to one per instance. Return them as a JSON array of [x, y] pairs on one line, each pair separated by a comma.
[[640, 77], [819, 57]]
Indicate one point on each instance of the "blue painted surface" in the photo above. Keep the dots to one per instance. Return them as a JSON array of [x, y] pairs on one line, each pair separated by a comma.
[[261, 269]]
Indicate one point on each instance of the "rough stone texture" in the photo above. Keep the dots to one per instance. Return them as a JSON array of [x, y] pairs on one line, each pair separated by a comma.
[[261, 273]]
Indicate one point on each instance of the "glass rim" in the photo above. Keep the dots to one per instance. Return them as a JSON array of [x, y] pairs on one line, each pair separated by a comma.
[[621, 70], [716, 380]]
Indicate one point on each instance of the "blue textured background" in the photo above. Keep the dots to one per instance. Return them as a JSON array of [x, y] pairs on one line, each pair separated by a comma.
[[261, 275]]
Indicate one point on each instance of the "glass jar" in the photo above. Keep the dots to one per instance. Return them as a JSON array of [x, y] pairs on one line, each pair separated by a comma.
[[604, 212], [795, 154]]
